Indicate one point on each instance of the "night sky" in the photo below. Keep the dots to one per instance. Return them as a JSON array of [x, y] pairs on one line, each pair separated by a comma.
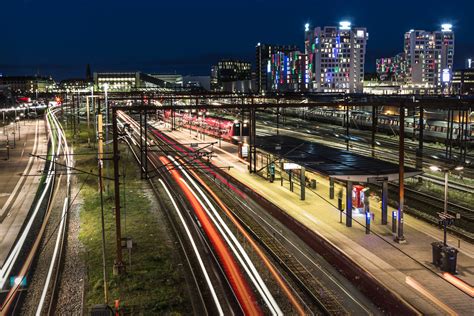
[[59, 37]]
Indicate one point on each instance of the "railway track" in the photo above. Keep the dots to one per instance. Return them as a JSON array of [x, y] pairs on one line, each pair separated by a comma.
[[326, 300], [431, 155], [437, 204]]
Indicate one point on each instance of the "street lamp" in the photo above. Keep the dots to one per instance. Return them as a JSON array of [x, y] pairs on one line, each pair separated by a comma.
[[446, 173]]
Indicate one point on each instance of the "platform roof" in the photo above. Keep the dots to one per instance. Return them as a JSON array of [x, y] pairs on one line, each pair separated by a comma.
[[332, 162]]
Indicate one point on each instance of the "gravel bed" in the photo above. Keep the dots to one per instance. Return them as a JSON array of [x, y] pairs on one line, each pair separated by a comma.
[[71, 286]]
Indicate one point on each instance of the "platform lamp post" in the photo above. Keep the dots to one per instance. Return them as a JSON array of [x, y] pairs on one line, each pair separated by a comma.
[[446, 174]]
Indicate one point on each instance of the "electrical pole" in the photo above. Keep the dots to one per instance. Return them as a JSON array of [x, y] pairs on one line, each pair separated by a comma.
[[101, 190], [119, 267], [401, 175]]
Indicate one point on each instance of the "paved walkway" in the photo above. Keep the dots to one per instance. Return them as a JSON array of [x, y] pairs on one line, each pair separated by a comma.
[[406, 269], [19, 179]]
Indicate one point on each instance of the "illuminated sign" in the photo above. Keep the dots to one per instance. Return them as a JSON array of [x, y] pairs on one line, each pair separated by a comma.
[[446, 27], [446, 75], [245, 151], [306, 27], [360, 33], [345, 25]]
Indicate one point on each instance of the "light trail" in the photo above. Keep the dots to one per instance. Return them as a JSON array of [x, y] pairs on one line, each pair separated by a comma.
[[232, 243], [417, 286], [239, 284], [254, 245], [460, 284], [196, 252], [12, 259], [62, 226]]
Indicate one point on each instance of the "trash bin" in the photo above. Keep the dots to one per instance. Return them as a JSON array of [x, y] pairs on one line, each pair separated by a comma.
[[101, 310], [449, 258], [313, 184], [437, 247]]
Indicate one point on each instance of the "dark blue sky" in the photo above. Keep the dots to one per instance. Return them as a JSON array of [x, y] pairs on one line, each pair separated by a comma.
[[59, 37]]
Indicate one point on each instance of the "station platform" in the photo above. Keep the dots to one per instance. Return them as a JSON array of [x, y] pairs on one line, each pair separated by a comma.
[[406, 269]]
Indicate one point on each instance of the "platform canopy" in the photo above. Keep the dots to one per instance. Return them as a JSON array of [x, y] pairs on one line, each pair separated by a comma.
[[333, 162]]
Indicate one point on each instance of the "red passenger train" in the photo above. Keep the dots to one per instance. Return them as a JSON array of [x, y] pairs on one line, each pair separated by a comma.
[[210, 125]]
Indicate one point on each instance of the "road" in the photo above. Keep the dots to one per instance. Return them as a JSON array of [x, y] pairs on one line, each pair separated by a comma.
[[19, 179]]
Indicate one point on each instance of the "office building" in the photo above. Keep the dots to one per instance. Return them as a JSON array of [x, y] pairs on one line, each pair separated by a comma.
[[429, 57], [233, 70], [170, 80], [127, 81], [463, 81], [263, 60], [336, 57], [230, 75]]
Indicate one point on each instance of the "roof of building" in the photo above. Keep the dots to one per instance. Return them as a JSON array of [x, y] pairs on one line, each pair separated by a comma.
[[332, 162]]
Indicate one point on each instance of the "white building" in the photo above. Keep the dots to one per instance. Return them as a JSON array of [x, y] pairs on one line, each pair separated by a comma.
[[336, 57], [429, 57]]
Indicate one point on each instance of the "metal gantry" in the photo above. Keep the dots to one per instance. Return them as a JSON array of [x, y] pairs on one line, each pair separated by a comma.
[[250, 104]]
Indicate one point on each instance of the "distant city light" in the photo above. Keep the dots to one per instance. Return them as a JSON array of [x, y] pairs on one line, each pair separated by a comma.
[[306, 27], [345, 25], [446, 27], [258, 44]]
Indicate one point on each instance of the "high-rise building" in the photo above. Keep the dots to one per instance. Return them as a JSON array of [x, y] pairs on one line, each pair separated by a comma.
[[336, 57], [288, 71], [430, 56], [263, 60]]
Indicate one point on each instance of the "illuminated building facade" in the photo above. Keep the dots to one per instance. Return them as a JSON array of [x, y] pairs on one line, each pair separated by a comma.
[[263, 60], [430, 56], [336, 57], [392, 68], [127, 81], [288, 71]]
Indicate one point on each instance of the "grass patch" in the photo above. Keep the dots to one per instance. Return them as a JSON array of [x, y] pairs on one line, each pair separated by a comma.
[[155, 282]]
